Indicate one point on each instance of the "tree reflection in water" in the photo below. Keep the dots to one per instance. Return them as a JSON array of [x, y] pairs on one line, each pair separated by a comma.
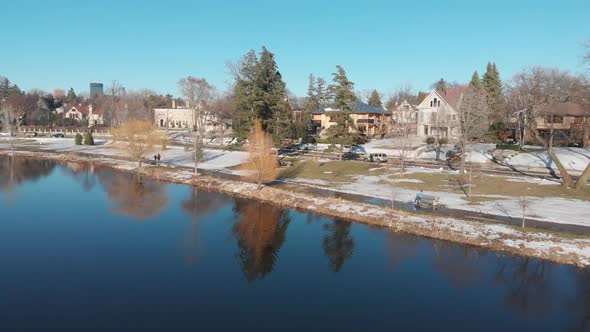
[[460, 263], [83, 173], [338, 243], [526, 285], [132, 195], [20, 170], [401, 248], [260, 232], [197, 207]]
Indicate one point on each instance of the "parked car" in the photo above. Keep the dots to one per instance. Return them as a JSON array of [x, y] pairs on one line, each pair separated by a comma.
[[58, 135], [31, 134], [376, 157]]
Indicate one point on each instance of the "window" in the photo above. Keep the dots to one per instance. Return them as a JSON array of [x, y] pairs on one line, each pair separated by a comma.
[[161, 122], [439, 103], [579, 119], [553, 119]]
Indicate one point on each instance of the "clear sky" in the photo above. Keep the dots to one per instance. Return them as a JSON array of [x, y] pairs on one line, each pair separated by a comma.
[[381, 44]]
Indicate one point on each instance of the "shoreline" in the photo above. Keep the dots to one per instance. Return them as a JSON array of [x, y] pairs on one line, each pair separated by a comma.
[[563, 248]]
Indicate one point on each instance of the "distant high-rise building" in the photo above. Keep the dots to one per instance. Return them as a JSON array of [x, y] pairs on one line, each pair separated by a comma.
[[59, 93], [96, 90]]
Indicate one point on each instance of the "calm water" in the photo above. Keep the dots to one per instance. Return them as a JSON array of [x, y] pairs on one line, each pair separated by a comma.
[[92, 249]]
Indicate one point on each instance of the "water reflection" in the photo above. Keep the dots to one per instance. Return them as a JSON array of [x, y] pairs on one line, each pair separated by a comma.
[[520, 293], [83, 173], [16, 170], [197, 207], [525, 284], [260, 232], [401, 249], [133, 195], [338, 243], [459, 263]]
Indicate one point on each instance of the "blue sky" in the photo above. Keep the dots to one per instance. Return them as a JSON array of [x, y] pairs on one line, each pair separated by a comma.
[[381, 44]]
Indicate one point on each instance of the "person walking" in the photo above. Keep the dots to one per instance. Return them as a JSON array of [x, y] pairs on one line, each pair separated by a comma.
[[419, 197]]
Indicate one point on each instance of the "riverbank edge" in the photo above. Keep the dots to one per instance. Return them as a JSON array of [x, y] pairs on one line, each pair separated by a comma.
[[557, 247]]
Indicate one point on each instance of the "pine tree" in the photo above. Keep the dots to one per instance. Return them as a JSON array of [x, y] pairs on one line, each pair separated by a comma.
[[344, 100], [271, 102], [88, 139], [375, 100], [322, 92], [493, 86], [245, 93], [7, 88], [441, 86], [71, 97], [476, 81], [260, 93], [311, 101]]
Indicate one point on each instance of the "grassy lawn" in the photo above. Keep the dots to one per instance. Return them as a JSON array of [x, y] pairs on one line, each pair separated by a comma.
[[337, 172], [333, 171], [488, 185]]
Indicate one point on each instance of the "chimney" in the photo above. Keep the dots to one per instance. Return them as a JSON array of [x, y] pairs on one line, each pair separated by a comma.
[[173, 103]]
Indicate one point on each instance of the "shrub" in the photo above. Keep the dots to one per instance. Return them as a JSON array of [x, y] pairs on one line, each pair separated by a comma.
[[443, 140], [430, 140], [78, 139], [88, 139]]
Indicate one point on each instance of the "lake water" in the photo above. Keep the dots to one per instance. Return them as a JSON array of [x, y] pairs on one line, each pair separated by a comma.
[[87, 248]]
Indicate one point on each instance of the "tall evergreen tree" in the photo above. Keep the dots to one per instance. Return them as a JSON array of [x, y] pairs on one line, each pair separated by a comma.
[[71, 97], [476, 81], [272, 101], [375, 100], [245, 94], [260, 93], [7, 88], [322, 92], [441, 86], [493, 86], [312, 102], [344, 99]]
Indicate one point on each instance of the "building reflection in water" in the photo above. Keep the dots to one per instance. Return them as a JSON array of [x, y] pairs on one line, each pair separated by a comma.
[[260, 231]]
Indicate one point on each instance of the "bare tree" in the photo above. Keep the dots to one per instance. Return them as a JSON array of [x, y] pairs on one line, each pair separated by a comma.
[[114, 109], [473, 114], [10, 119], [221, 111], [532, 92], [141, 137], [198, 93], [403, 132]]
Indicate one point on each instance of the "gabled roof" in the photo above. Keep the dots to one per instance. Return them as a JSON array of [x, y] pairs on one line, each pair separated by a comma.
[[565, 109], [358, 108], [85, 108], [451, 97]]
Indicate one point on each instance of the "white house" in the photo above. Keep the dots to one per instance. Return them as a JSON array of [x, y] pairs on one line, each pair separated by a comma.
[[183, 118], [80, 112], [437, 114]]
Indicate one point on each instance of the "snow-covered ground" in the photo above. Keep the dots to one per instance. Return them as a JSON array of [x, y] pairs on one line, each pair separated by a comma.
[[553, 209], [570, 211], [574, 159], [174, 155]]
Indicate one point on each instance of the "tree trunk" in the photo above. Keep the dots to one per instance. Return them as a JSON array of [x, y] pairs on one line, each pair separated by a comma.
[[565, 176], [583, 179]]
